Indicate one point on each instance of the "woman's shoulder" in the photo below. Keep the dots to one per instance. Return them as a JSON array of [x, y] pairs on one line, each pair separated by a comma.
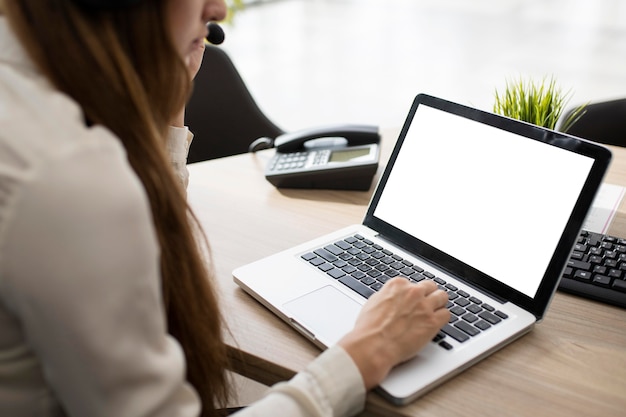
[[40, 123]]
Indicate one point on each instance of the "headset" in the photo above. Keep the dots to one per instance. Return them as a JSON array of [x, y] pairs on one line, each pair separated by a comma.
[[106, 4]]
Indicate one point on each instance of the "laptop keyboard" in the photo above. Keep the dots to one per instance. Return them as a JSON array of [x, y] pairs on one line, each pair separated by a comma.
[[365, 267], [597, 269]]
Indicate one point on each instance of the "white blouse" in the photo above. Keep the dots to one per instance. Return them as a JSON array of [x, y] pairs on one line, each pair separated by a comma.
[[82, 328]]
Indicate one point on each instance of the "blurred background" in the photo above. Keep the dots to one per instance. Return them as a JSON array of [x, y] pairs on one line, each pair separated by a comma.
[[314, 62]]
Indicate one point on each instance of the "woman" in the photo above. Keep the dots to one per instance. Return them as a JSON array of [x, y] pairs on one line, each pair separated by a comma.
[[106, 301]]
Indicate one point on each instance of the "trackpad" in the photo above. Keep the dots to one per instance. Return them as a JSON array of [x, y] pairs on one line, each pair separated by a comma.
[[326, 314]]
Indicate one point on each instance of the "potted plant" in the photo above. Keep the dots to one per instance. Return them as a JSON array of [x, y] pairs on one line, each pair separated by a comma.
[[539, 103]]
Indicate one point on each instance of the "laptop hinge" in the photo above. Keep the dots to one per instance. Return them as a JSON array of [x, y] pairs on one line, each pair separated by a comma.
[[441, 268]]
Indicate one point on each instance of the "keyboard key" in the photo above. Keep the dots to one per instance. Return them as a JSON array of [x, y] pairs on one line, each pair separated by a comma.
[[502, 315], [475, 300], [374, 273], [490, 318], [456, 310], [445, 345], [407, 271], [349, 269], [316, 261], [357, 286], [366, 280], [463, 293], [323, 253], [602, 281], [619, 285], [582, 276], [462, 302], [467, 328], [474, 308], [456, 334], [360, 275], [615, 273], [308, 256], [585, 266], [343, 245], [482, 325], [336, 273], [470, 318], [452, 296], [383, 278], [340, 263]]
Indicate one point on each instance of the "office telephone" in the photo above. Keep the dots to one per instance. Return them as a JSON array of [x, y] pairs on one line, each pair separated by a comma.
[[343, 157]]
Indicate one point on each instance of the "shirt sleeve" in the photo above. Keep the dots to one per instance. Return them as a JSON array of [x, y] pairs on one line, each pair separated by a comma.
[[330, 386], [81, 273], [178, 143]]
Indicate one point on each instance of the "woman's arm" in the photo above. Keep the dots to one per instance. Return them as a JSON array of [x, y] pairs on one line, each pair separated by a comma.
[[330, 386], [81, 274]]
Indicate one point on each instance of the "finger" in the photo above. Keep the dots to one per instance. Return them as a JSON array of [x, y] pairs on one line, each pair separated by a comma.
[[437, 299], [441, 298], [428, 286]]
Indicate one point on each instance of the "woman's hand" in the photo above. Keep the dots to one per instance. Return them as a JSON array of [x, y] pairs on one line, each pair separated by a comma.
[[193, 61], [394, 325]]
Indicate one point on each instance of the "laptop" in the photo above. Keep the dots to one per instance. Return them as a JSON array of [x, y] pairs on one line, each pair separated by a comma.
[[486, 206]]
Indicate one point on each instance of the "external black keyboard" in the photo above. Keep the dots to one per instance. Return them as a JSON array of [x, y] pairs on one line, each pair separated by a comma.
[[597, 269]]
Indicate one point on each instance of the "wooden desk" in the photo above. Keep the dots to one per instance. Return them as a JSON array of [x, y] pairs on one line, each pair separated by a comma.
[[571, 364]]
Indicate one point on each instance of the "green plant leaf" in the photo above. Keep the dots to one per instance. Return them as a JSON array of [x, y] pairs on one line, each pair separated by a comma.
[[541, 103]]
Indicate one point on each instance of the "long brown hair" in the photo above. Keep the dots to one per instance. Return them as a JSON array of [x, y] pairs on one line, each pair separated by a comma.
[[123, 70]]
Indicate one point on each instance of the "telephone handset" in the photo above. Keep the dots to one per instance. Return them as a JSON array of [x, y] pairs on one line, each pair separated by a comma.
[[341, 157]]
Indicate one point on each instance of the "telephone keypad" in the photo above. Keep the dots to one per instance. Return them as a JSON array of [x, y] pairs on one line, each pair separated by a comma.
[[295, 160], [321, 157], [289, 161]]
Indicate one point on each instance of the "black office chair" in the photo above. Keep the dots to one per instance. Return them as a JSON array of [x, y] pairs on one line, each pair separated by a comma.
[[221, 112], [602, 122]]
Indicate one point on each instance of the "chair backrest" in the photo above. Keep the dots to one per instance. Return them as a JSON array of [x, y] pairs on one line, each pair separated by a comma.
[[603, 122], [221, 112]]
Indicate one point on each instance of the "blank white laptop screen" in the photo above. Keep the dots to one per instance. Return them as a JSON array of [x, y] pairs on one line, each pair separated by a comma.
[[471, 191]]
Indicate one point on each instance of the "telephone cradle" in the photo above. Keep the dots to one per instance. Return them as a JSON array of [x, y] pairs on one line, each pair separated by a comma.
[[339, 157]]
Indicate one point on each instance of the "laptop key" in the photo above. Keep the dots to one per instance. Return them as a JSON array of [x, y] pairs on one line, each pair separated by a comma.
[[490, 318], [445, 345], [482, 325], [501, 314], [456, 334], [323, 253], [357, 286], [316, 261], [467, 328], [308, 256], [336, 273], [439, 336], [343, 244]]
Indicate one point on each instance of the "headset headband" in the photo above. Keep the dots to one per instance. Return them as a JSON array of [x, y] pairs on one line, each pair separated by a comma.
[[106, 4]]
